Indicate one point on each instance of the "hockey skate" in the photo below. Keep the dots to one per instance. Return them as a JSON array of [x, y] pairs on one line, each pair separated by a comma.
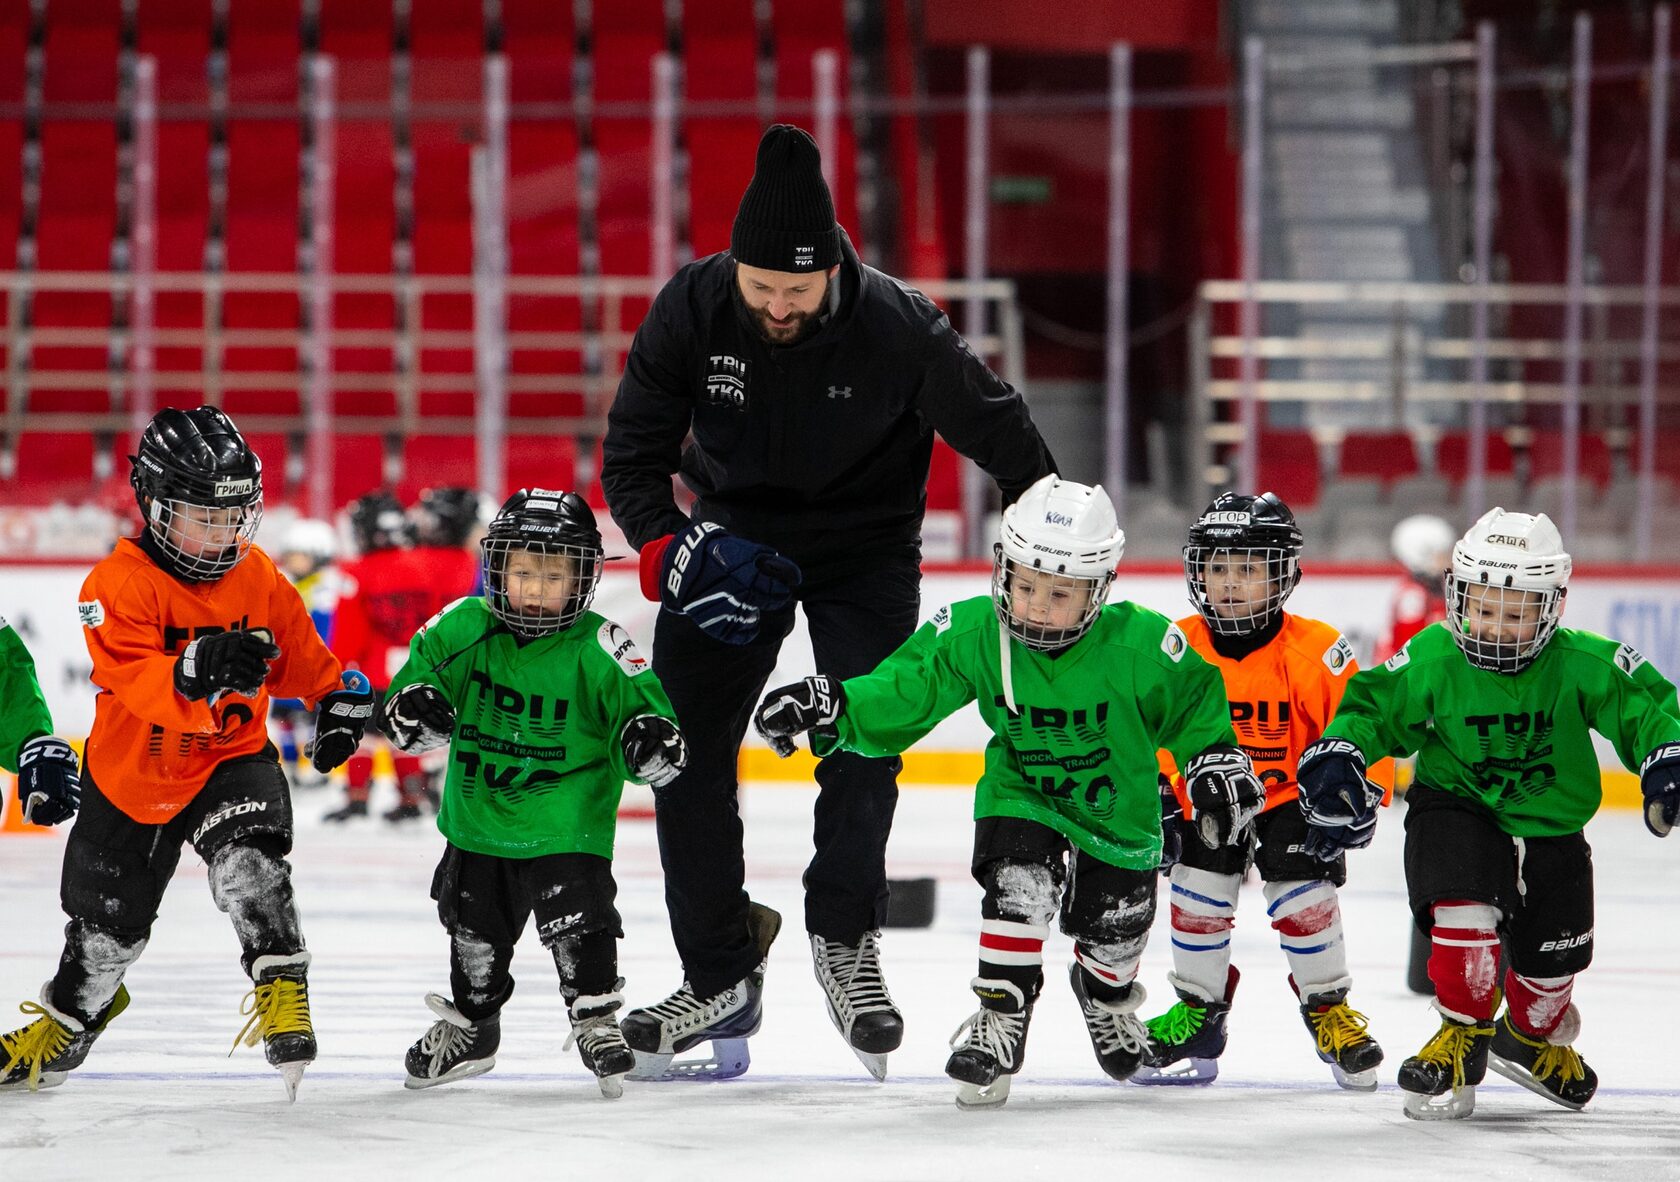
[[1118, 1038], [351, 809], [1440, 1080], [454, 1048], [599, 1040], [1185, 1042], [992, 1046], [1342, 1040], [277, 1010], [659, 1033], [1551, 1069], [858, 1003], [42, 1053]]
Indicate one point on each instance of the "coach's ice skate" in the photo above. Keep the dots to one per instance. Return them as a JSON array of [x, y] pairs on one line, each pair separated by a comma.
[[42, 1053], [277, 1010], [1118, 1038], [1185, 1042], [599, 1040], [454, 1048], [990, 1046], [1440, 1080], [1342, 1040], [659, 1033], [1548, 1067], [858, 1003]]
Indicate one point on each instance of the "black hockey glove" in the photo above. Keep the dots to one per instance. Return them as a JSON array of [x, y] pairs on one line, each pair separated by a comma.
[[1339, 803], [417, 719], [654, 749], [49, 785], [1172, 827], [794, 709], [1659, 780], [224, 662], [724, 583], [340, 719], [1225, 795]]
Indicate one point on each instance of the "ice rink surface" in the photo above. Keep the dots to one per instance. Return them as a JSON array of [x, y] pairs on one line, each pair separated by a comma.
[[160, 1098]]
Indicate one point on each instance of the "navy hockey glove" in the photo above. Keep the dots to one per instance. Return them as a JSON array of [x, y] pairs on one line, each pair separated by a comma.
[[724, 583], [1172, 827], [340, 720], [225, 662], [794, 709], [49, 786], [1339, 803], [1225, 795], [1659, 780], [654, 749], [417, 719]]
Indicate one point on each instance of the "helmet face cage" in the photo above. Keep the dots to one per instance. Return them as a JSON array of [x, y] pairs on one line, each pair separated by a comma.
[[567, 572], [1501, 628], [1065, 606], [1240, 590], [204, 541]]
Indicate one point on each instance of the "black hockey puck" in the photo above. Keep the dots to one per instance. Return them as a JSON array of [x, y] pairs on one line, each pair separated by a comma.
[[910, 902]]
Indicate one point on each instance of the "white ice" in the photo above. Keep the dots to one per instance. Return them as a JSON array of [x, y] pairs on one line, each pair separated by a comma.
[[160, 1098]]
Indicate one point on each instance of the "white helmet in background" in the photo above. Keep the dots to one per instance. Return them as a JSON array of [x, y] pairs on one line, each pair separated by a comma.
[[1505, 589], [316, 539], [1068, 534], [1423, 544]]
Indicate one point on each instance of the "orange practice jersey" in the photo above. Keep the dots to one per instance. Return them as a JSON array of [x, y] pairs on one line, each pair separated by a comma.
[[151, 750], [1282, 697]]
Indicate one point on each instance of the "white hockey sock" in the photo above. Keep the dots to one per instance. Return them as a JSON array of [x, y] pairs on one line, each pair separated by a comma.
[[1308, 921], [1204, 910], [1011, 950]]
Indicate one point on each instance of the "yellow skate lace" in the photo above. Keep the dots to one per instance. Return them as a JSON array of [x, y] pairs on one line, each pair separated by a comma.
[[1449, 1046], [1338, 1027], [1560, 1061], [35, 1044], [275, 1007]]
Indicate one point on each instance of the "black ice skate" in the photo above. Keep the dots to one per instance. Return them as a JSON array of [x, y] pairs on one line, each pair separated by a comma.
[[992, 1046], [1118, 1038], [659, 1033], [858, 1003], [278, 1014], [1185, 1042], [599, 1040], [454, 1048], [1342, 1040], [42, 1053], [351, 809], [1554, 1070], [1440, 1080]]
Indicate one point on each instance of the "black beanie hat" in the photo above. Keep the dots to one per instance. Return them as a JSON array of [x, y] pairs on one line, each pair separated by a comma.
[[786, 220]]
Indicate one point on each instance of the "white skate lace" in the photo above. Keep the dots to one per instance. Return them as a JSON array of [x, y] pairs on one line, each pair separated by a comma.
[[992, 1032], [1114, 1029], [852, 976], [683, 1011], [444, 1042], [594, 1035]]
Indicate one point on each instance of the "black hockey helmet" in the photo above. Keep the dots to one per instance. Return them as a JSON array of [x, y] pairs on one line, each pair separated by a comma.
[[199, 487], [377, 522], [445, 516], [1238, 541], [554, 534]]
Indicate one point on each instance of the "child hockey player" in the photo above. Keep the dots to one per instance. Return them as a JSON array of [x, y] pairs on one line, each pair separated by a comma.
[[48, 787], [547, 709], [1283, 675], [1079, 696], [190, 628], [1498, 702]]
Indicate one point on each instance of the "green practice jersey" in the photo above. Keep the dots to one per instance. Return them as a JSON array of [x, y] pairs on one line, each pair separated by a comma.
[[1517, 743], [535, 764], [1078, 751], [23, 711]]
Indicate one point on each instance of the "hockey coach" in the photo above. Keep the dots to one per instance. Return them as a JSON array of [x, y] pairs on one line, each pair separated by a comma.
[[808, 387]]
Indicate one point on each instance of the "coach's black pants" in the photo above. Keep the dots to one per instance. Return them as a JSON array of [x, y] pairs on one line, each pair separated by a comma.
[[859, 612]]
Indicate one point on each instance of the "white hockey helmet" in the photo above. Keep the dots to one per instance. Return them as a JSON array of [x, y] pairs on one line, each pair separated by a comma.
[[1069, 534], [1511, 573], [1423, 543], [309, 536]]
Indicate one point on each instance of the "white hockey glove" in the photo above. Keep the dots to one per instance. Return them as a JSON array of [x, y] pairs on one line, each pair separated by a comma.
[[417, 719], [654, 749]]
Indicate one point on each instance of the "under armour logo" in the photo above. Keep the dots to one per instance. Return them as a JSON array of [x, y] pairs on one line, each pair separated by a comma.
[[839, 391]]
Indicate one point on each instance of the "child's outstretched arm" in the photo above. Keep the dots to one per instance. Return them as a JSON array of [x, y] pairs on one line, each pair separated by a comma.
[[791, 710]]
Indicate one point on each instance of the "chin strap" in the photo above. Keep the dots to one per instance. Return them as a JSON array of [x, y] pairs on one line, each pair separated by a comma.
[[1003, 661]]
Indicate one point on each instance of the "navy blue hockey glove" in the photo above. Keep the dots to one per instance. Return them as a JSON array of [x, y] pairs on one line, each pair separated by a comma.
[[793, 709], [1659, 780], [1339, 803], [49, 785], [340, 720], [417, 719], [654, 749], [724, 583], [1172, 827], [1225, 795], [225, 662]]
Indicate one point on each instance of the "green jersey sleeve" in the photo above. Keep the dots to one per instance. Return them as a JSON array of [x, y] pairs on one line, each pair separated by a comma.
[[1386, 709], [888, 710], [1635, 706], [23, 708], [433, 651], [626, 687]]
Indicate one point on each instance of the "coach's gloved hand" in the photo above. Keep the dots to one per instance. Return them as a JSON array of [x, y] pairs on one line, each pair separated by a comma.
[[721, 582], [1659, 780], [234, 661], [417, 719], [49, 785], [1339, 803], [793, 709], [654, 749], [340, 719], [1225, 795]]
